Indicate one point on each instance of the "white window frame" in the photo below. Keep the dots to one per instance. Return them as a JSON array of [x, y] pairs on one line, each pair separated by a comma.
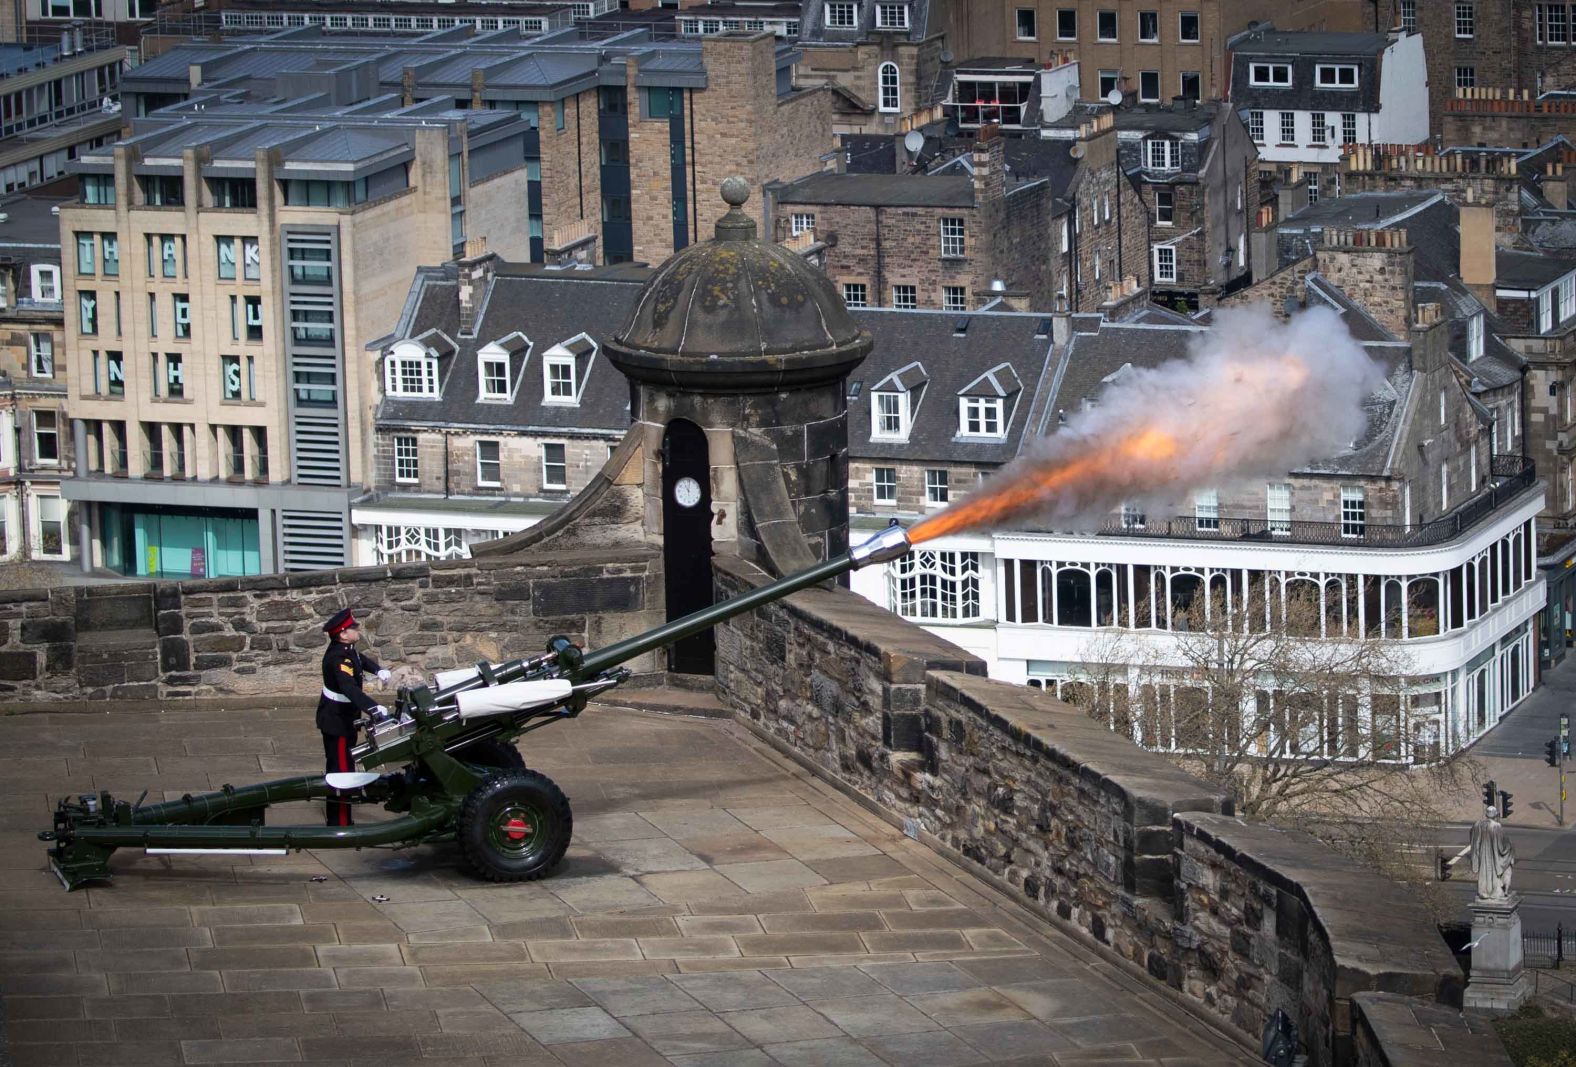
[[801, 222], [954, 237], [1465, 19], [1256, 126], [1267, 75], [1354, 511], [564, 465], [1162, 153], [982, 416], [1335, 75], [410, 365], [407, 459], [480, 480], [38, 527], [1148, 76], [494, 361], [1165, 207], [1277, 508], [1348, 127], [846, 12], [554, 380], [954, 298], [938, 487], [889, 89], [46, 279], [1206, 510], [1408, 13], [38, 432], [1059, 35], [891, 16], [41, 354], [1444, 486], [1474, 337], [1465, 77], [947, 582], [889, 416], [864, 299], [1116, 26], [883, 491], [1198, 28], [1017, 24], [1165, 263], [1155, 37], [909, 297]]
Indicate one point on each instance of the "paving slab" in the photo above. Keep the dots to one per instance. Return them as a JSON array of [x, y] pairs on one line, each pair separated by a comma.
[[730, 912]]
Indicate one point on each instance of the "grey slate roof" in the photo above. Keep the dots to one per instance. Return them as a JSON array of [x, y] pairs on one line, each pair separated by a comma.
[[999, 354], [1529, 270], [879, 190], [1304, 50], [548, 307]]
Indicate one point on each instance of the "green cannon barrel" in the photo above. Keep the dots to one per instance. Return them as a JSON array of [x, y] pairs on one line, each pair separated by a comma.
[[888, 544]]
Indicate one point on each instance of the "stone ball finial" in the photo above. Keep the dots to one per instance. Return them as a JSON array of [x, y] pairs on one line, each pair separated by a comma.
[[735, 191]]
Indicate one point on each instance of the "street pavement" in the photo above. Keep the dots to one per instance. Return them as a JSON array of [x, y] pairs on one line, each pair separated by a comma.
[[719, 908]]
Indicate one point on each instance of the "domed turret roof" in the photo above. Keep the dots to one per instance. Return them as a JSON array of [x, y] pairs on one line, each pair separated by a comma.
[[738, 313]]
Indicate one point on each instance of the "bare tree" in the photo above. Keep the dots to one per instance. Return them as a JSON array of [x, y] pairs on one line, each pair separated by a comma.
[[1304, 729]]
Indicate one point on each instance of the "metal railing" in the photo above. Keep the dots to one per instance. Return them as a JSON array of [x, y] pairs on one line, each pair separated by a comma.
[[1513, 475], [1549, 950], [1550, 984]]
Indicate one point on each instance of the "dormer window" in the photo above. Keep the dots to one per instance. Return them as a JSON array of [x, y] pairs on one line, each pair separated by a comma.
[[1162, 154], [980, 416], [890, 416], [891, 16], [1335, 76], [565, 368], [1474, 337], [841, 15], [559, 379], [494, 371], [410, 370], [1270, 75]]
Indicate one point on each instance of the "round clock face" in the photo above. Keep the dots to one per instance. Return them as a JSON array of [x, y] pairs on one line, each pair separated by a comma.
[[687, 492]]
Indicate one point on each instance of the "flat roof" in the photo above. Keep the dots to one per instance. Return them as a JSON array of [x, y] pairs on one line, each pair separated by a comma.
[[1308, 42], [880, 190]]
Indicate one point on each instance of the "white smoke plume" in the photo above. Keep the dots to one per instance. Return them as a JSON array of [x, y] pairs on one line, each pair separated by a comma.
[[1254, 399]]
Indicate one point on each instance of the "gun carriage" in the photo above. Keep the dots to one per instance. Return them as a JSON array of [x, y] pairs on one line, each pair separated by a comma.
[[445, 764]]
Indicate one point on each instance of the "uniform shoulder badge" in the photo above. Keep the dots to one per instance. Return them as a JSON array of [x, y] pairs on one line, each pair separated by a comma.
[[346, 668]]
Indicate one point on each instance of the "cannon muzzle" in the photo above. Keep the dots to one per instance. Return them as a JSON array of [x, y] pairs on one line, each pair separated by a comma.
[[887, 545]]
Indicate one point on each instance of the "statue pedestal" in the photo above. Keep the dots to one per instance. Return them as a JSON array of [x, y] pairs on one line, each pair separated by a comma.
[[1498, 982]]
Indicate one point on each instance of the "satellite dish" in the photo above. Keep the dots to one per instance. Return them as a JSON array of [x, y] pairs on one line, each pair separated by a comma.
[[946, 57], [1075, 150], [913, 140], [1114, 97]]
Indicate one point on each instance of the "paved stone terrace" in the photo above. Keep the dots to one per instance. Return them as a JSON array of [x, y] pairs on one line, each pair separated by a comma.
[[718, 907]]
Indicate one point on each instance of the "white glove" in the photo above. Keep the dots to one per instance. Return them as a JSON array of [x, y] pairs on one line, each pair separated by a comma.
[[385, 676], [380, 714]]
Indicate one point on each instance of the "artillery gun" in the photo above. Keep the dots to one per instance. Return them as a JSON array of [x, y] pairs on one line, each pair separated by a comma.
[[444, 763]]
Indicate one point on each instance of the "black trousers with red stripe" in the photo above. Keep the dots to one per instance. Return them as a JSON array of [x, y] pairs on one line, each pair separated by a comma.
[[337, 753]]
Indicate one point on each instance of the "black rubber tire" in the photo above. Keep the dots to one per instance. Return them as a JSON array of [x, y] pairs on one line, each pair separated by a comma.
[[492, 753], [515, 827]]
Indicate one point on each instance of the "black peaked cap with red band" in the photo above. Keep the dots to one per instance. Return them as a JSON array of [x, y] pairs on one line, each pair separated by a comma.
[[342, 620]]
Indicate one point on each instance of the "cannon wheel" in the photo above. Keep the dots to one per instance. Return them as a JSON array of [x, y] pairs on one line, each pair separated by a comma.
[[494, 754], [515, 827]]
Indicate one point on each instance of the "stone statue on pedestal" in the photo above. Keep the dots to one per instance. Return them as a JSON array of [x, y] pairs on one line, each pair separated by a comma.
[[1493, 856], [1498, 981]]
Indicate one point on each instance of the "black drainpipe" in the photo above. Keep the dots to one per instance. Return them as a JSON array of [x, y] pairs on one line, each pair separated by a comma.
[[580, 162], [689, 113], [880, 272]]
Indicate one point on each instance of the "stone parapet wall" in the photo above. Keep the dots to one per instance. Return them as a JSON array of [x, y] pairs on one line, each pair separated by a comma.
[[1235, 918], [263, 635]]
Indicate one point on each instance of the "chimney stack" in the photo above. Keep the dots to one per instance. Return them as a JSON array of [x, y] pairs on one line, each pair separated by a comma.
[[476, 271], [1477, 250]]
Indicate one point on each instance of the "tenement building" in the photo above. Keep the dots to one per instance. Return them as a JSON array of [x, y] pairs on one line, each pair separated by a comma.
[[1423, 533], [1194, 169], [1059, 228], [227, 263], [498, 405], [1136, 47], [35, 439], [1304, 95]]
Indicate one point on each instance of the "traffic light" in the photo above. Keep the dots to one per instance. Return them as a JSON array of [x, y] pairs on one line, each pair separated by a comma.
[[1488, 793], [1444, 866], [1551, 752], [1504, 804]]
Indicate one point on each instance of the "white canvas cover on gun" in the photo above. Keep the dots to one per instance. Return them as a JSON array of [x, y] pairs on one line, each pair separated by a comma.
[[514, 696]]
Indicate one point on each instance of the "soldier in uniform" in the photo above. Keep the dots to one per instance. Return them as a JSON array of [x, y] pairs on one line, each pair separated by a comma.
[[343, 702]]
